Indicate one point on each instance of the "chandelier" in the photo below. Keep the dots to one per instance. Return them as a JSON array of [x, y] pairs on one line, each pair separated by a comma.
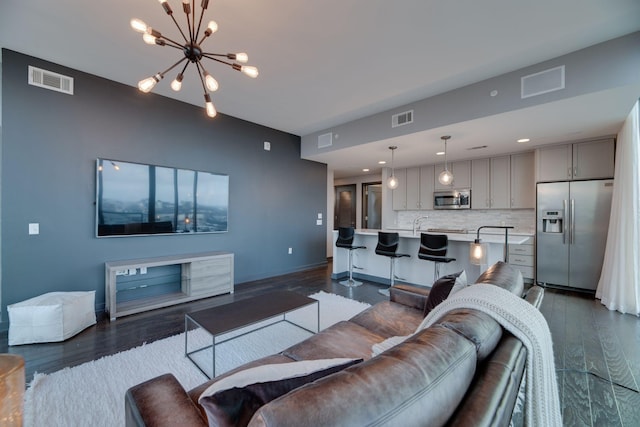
[[193, 53]]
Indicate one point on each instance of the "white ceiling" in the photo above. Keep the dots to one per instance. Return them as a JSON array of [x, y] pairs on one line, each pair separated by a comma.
[[324, 63]]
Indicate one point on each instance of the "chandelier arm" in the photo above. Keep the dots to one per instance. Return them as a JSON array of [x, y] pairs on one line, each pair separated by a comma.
[[171, 42], [185, 67], [208, 55], [202, 9], [191, 35], [174, 66], [179, 29], [173, 45], [200, 71]]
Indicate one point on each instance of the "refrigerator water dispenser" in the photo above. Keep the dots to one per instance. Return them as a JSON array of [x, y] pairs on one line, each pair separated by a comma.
[[552, 222]]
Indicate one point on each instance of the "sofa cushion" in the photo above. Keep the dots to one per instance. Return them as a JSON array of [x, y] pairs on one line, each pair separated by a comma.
[[233, 400], [478, 327], [389, 319], [503, 275], [440, 290], [344, 339], [419, 382], [161, 401]]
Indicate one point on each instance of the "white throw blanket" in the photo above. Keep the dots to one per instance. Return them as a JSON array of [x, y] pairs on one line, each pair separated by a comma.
[[525, 322]]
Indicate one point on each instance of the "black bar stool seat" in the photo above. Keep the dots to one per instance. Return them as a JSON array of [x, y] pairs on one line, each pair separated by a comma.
[[433, 247]]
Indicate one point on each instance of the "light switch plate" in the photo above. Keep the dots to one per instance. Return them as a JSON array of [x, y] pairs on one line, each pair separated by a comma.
[[318, 222], [34, 228], [267, 146]]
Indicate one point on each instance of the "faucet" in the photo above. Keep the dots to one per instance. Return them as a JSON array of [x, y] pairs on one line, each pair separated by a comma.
[[416, 222]]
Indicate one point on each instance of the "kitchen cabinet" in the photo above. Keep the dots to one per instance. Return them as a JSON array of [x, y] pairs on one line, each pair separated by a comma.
[[523, 186], [415, 188], [581, 160], [490, 183], [461, 175], [522, 257], [399, 195], [505, 182]]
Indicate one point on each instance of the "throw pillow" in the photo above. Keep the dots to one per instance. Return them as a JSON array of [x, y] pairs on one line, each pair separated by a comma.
[[461, 283], [233, 400], [440, 291]]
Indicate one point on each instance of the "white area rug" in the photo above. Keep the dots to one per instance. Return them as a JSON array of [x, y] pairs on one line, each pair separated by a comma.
[[92, 394]]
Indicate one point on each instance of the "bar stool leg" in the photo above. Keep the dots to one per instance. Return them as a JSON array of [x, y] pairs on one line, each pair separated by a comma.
[[386, 292], [436, 271], [350, 283]]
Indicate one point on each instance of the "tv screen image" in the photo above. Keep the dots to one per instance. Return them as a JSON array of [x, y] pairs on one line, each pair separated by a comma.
[[140, 199]]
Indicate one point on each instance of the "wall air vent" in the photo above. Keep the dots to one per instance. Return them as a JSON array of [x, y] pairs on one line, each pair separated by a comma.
[[325, 140], [402, 119], [50, 80], [543, 82]]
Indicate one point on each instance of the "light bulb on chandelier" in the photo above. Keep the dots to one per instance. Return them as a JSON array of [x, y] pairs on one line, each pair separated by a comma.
[[191, 48], [445, 177]]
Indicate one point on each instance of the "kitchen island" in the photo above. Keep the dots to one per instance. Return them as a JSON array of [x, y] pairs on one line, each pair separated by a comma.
[[375, 268]]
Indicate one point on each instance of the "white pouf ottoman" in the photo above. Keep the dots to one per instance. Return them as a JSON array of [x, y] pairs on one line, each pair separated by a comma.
[[54, 316]]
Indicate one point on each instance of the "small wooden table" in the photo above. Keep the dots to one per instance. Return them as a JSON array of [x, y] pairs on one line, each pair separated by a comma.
[[231, 317]]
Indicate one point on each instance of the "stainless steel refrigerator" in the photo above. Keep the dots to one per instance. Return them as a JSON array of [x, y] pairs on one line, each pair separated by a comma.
[[572, 220]]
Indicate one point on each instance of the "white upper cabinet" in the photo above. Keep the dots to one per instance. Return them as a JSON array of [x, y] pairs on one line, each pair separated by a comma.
[[480, 196], [399, 195], [427, 181], [500, 182], [415, 189], [582, 160], [523, 186], [505, 182], [594, 159]]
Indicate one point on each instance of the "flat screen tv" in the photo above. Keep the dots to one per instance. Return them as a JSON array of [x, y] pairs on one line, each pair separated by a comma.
[[139, 199]]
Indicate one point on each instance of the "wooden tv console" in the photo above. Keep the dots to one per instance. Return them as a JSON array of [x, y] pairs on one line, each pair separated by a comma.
[[202, 275]]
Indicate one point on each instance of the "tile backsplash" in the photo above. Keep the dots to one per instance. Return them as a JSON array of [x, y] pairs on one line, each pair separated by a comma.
[[524, 220]]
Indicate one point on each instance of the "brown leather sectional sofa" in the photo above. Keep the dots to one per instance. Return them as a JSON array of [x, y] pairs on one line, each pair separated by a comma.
[[464, 370]]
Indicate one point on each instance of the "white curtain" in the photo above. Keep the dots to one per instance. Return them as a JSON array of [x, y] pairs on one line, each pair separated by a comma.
[[619, 285]]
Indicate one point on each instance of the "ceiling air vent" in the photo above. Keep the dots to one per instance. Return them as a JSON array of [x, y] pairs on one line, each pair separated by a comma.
[[325, 140], [402, 119], [543, 82], [50, 80]]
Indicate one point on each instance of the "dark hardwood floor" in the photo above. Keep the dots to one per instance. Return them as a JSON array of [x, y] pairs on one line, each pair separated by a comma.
[[597, 351]]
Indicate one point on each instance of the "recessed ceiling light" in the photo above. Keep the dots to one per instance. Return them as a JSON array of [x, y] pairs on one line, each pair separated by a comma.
[[440, 153], [365, 170], [524, 140], [382, 162]]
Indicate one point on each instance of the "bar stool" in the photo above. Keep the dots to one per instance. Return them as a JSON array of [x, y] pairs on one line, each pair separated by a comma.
[[388, 246], [433, 247], [345, 240]]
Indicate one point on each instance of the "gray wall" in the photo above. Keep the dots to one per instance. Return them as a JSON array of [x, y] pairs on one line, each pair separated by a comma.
[[50, 142]]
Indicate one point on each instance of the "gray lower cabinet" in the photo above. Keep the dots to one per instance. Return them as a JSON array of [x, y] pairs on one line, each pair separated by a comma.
[[522, 257]]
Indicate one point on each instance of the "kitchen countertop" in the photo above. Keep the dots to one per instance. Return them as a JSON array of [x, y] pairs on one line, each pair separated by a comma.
[[515, 238]]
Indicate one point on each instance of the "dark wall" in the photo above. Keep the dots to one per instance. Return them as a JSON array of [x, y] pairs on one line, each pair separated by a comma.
[[50, 142]]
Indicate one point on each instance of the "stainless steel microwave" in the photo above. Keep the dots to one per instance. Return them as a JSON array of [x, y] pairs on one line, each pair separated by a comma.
[[452, 199]]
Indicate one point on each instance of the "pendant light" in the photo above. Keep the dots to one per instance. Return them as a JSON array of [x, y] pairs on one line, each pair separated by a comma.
[[445, 177], [392, 182]]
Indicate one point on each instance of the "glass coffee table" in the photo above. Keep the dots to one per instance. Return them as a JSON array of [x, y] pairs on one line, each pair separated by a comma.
[[238, 315]]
